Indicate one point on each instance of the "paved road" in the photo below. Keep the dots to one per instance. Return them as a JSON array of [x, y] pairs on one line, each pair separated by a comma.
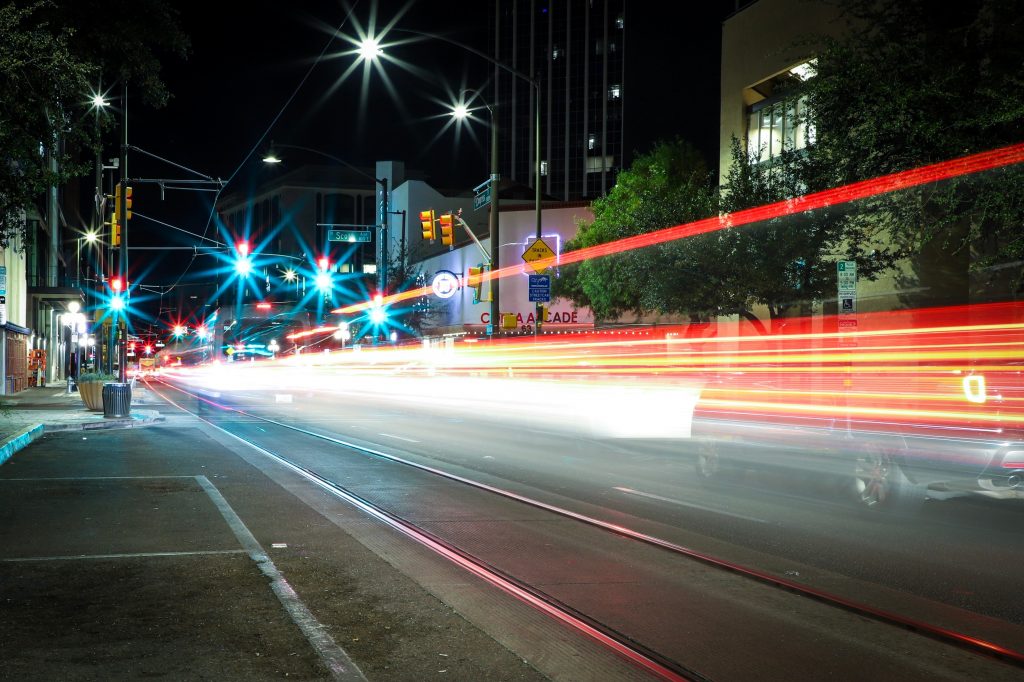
[[766, 522], [952, 551]]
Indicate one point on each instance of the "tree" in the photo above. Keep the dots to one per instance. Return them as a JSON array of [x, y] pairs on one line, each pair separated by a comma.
[[667, 186], [405, 274], [123, 40], [52, 56], [41, 80], [789, 262], [916, 82]]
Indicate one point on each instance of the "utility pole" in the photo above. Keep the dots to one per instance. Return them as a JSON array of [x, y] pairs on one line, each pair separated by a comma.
[[494, 218], [383, 215], [123, 259]]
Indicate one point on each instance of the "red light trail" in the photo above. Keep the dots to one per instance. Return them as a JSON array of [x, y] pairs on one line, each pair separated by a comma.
[[967, 165]]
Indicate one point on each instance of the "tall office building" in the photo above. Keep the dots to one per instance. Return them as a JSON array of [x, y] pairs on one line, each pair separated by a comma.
[[575, 50]]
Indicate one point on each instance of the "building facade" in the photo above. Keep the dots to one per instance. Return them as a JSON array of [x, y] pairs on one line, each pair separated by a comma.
[[574, 50], [758, 61]]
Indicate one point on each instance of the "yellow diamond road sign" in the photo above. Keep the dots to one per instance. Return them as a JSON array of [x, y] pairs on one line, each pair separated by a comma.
[[536, 252]]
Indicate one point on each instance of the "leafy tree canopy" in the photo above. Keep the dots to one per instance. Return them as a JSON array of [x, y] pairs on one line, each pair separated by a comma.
[[666, 186], [53, 55], [916, 82]]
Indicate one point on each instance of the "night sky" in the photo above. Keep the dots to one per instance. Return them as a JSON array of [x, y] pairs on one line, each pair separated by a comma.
[[248, 59]]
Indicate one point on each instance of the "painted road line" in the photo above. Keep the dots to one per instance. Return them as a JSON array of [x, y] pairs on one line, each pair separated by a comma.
[[651, 496], [389, 435], [338, 662], [133, 555]]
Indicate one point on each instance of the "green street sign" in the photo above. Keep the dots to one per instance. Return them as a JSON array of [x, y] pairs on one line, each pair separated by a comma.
[[482, 199], [348, 236]]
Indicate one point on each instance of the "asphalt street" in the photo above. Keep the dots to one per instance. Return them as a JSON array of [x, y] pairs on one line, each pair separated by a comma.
[[797, 528], [951, 551]]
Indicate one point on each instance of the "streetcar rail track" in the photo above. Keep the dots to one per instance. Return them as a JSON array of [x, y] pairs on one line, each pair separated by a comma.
[[632, 651], [672, 670]]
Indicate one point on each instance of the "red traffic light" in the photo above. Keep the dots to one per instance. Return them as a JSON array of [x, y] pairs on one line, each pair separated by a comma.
[[243, 248], [115, 284], [323, 263]]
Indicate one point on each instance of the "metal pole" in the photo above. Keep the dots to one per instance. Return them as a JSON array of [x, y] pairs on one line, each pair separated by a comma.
[[382, 246], [493, 222], [98, 226], [536, 182], [123, 262]]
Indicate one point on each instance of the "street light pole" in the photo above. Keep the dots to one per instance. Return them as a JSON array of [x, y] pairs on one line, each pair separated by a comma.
[[493, 223], [535, 84], [97, 228], [123, 260]]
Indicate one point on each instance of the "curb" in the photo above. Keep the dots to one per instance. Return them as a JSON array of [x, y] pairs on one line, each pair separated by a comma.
[[138, 418], [19, 441]]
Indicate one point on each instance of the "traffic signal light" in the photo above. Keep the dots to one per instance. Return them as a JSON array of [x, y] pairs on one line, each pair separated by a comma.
[[447, 229], [427, 221], [127, 203], [378, 315], [115, 284], [542, 314], [115, 219], [243, 264], [474, 282]]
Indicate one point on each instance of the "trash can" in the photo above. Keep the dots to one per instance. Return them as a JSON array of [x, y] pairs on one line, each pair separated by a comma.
[[117, 400]]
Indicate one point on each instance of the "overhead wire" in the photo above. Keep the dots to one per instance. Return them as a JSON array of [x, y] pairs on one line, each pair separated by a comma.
[[263, 136]]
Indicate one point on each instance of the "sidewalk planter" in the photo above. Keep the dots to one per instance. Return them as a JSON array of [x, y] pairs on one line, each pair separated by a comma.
[[117, 400], [90, 387]]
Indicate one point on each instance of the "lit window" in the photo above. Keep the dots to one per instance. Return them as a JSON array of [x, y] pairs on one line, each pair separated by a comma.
[[591, 141], [543, 167], [611, 47], [619, 23], [597, 47], [556, 52], [596, 164], [805, 71], [774, 127], [614, 92]]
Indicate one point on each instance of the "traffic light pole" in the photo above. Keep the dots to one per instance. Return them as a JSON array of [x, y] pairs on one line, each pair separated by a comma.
[[122, 264], [493, 220], [384, 211]]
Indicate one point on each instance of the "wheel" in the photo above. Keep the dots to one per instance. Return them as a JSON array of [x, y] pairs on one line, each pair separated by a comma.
[[880, 484]]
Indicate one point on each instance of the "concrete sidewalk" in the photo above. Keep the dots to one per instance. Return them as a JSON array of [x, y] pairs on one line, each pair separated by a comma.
[[165, 552], [28, 414]]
